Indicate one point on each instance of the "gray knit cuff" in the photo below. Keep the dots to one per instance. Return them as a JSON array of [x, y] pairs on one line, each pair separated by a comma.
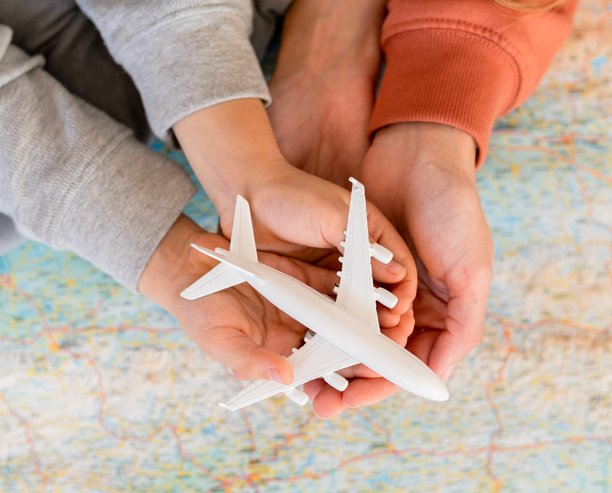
[[204, 60], [120, 214]]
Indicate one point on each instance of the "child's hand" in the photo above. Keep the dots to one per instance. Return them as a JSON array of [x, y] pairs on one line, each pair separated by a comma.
[[236, 326], [423, 177]]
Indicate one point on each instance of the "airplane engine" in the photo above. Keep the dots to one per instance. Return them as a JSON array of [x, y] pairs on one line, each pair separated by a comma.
[[336, 381], [297, 396], [380, 253], [385, 297]]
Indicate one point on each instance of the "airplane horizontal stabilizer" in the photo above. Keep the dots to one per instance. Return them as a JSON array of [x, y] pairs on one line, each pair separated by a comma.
[[243, 238], [221, 277]]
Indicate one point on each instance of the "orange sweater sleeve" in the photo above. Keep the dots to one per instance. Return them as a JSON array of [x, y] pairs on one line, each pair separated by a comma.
[[463, 63]]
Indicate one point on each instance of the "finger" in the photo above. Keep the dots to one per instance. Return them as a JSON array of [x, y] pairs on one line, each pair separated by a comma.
[[367, 391], [407, 322], [421, 342], [398, 334], [391, 273], [464, 330], [386, 318], [402, 330], [358, 371], [383, 232], [318, 278], [405, 292], [328, 403], [233, 348], [330, 261], [313, 388]]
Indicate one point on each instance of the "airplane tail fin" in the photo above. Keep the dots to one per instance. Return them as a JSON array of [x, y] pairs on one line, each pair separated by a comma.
[[243, 239], [228, 273]]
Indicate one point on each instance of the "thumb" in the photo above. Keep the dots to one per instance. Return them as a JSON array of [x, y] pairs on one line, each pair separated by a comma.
[[464, 329]]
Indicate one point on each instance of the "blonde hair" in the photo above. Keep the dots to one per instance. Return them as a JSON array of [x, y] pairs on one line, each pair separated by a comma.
[[531, 5]]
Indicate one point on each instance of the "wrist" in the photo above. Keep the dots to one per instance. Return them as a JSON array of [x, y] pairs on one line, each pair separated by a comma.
[[417, 144], [167, 272], [407, 161], [231, 148]]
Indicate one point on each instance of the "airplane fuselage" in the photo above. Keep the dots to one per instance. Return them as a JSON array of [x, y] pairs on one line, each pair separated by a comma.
[[344, 330]]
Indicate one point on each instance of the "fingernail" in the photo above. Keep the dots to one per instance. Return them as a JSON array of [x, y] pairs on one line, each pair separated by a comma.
[[395, 268], [274, 374]]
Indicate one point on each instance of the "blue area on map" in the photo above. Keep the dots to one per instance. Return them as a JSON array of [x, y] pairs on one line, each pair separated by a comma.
[[597, 63]]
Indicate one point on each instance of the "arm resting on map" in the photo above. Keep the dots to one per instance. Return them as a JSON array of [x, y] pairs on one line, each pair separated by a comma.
[[75, 179]]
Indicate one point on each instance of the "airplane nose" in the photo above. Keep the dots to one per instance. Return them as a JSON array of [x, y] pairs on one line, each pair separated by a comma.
[[435, 389], [439, 393], [424, 382]]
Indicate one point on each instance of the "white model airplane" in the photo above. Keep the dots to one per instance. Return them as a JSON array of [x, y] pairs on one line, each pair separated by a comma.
[[347, 330]]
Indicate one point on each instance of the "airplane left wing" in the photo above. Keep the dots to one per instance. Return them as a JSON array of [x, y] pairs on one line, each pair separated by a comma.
[[315, 359]]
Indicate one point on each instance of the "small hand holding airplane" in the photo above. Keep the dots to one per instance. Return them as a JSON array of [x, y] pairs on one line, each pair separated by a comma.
[[346, 330]]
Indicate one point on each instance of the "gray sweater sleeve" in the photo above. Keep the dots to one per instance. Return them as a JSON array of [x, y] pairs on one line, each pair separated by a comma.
[[183, 55], [72, 177]]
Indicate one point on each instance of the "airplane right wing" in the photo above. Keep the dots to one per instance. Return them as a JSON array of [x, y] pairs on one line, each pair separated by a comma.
[[315, 359], [356, 288]]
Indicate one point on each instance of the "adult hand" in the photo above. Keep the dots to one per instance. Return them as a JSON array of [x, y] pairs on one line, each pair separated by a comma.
[[323, 85], [422, 177]]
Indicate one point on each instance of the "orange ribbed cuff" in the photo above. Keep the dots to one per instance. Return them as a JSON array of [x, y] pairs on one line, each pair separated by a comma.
[[446, 76]]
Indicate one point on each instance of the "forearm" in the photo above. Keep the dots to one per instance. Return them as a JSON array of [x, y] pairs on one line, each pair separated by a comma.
[[320, 33], [324, 82]]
